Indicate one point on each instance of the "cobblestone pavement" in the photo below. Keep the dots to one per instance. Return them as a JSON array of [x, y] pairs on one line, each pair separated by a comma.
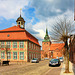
[[40, 68]]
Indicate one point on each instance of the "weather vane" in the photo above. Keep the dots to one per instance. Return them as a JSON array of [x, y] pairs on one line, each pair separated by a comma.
[[20, 11]]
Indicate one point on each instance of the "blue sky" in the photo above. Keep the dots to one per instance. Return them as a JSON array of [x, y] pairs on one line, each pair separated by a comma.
[[37, 13]]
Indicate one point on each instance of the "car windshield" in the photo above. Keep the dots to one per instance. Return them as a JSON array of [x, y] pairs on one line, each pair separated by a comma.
[[34, 58], [54, 60], [61, 58]]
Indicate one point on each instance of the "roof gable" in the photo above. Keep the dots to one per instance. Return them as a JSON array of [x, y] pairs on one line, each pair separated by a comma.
[[57, 46], [14, 28]]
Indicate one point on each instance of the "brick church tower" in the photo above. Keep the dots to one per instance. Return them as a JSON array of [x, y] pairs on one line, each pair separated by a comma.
[[46, 45]]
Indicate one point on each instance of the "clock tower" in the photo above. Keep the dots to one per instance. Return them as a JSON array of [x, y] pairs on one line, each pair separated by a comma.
[[20, 21]]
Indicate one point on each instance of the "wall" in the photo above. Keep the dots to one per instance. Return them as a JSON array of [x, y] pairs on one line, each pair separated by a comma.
[[18, 50], [34, 51]]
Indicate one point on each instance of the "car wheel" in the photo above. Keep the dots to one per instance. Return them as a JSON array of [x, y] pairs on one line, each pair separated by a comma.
[[58, 64], [49, 65]]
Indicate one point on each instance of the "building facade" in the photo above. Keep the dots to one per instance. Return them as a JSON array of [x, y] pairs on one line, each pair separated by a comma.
[[51, 50], [17, 44]]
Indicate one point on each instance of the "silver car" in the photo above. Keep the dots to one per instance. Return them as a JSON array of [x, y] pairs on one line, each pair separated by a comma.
[[61, 59], [35, 60]]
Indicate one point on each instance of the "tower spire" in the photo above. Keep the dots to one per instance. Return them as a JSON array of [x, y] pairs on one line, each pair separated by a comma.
[[46, 38], [46, 32]]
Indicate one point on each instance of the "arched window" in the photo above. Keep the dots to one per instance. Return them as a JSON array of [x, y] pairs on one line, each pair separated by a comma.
[[46, 55], [19, 23]]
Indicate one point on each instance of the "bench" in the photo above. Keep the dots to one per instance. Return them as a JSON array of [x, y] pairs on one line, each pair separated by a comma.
[[5, 62]]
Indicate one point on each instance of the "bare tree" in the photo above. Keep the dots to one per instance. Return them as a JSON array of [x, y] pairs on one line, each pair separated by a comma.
[[61, 32], [6, 50]]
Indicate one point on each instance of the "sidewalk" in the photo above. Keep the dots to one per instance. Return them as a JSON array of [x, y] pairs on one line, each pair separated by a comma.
[[70, 68], [74, 68]]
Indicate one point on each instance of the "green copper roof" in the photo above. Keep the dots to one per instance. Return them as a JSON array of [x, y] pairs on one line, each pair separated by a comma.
[[46, 38], [46, 32]]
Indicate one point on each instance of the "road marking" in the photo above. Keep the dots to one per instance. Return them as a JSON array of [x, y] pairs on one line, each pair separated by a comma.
[[48, 71]]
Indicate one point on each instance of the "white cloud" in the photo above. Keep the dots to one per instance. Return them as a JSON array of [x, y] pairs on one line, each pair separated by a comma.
[[13, 24], [58, 11], [49, 8], [11, 8], [41, 26], [41, 34]]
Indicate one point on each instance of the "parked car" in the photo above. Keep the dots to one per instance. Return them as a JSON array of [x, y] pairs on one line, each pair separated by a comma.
[[61, 59], [46, 58], [35, 60], [54, 62]]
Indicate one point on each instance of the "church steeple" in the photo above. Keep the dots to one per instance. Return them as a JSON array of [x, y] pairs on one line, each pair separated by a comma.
[[20, 21], [46, 38], [46, 32]]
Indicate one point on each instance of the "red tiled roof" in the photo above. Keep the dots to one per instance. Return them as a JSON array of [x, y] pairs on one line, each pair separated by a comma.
[[57, 46], [17, 33], [14, 28]]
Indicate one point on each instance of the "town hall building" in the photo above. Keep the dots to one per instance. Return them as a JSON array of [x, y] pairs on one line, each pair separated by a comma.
[[17, 44]]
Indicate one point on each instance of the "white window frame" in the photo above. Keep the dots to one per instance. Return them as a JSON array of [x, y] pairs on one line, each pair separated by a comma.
[[29, 45], [8, 55], [15, 55], [29, 55], [2, 44], [32, 55], [21, 44], [8, 44], [21, 55], [14, 44], [32, 45]]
